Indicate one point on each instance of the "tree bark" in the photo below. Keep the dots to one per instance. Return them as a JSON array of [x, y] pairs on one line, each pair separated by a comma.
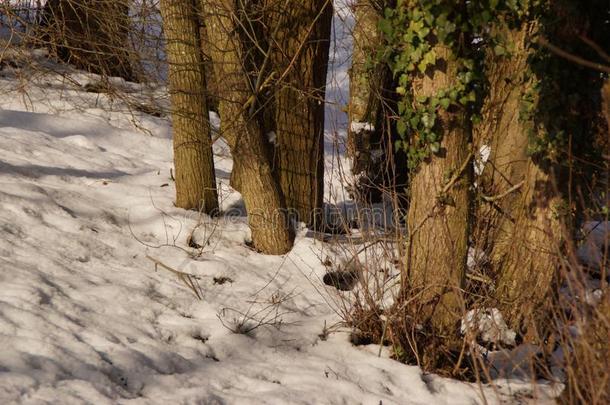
[[527, 259], [300, 37], [366, 86], [271, 231], [439, 212], [89, 34], [377, 166], [502, 132], [211, 83], [193, 157], [523, 229]]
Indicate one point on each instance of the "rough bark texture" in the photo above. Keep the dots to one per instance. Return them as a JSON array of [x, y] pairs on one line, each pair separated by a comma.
[[89, 34], [527, 260], [300, 34], [365, 87], [438, 220], [271, 232], [193, 157], [211, 84], [376, 165], [522, 228], [503, 132]]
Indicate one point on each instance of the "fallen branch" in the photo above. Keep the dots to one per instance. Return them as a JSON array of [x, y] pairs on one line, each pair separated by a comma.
[[188, 279]]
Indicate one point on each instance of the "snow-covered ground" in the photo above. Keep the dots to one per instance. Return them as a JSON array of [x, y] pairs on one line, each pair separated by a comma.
[[86, 316], [85, 197]]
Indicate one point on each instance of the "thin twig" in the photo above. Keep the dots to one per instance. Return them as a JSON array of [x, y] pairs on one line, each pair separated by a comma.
[[186, 278], [504, 194], [573, 58], [603, 54]]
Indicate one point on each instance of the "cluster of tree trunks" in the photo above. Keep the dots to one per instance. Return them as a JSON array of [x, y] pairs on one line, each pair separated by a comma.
[[273, 80], [520, 217], [272, 59], [262, 65], [271, 230]]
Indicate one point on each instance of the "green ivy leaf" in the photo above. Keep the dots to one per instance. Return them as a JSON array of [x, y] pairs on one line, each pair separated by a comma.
[[445, 103], [401, 127], [415, 121], [385, 26], [427, 120], [422, 66], [499, 50]]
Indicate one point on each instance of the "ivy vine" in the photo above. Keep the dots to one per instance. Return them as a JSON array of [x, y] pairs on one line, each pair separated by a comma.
[[412, 30]]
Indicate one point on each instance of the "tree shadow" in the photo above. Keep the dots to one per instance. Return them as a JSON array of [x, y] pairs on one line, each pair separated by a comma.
[[36, 171], [53, 125]]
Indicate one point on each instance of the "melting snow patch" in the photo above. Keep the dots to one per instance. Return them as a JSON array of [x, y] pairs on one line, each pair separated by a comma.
[[489, 325], [272, 137], [358, 127], [481, 159]]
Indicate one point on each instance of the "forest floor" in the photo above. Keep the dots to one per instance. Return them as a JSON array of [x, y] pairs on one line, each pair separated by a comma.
[[86, 316]]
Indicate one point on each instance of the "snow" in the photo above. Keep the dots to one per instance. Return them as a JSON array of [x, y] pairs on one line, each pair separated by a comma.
[[481, 159], [86, 208], [475, 258], [592, 252], [358, 127], [490, 325], [85, 318], [271, 136]]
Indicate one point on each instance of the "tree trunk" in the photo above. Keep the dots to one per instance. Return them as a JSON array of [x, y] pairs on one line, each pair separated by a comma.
[[518, 220], [89, 34], [527, 258], [378, 166], [300, 34], [502, 132], [365, 88], [439, 212], [211, 84], [193, 157], [271, 231]]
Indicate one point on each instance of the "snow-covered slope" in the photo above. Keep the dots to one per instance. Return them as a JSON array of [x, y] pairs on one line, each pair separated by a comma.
[[86, 207], [85, 197]]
